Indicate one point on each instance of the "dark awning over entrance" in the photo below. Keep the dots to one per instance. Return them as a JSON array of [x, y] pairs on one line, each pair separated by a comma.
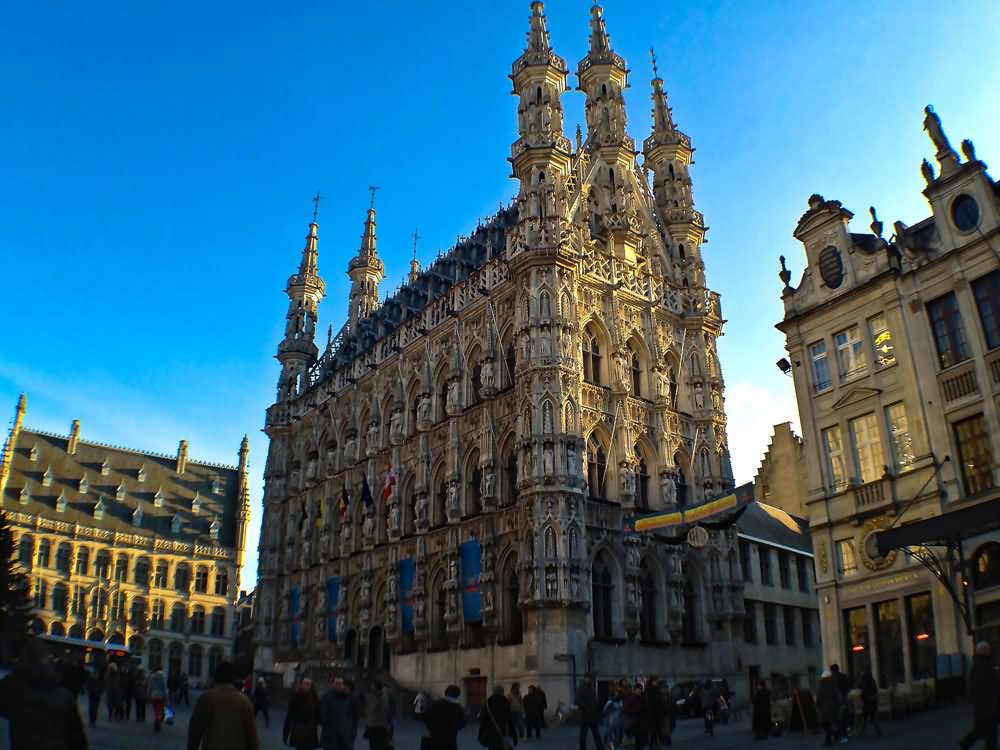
[[944, 530]]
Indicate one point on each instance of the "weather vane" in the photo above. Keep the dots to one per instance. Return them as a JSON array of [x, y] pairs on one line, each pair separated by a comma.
[[372, 189], [316, 199], [416, 236], [652, 54]]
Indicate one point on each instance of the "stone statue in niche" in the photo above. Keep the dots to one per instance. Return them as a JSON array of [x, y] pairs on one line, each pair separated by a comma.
[[546, 342], [528, 467], [622, 371], [350, 450], [396, 426], [369, 527], [574, 585], [699, 396], [296, 478], [311, 467], [566, 343], [662, 384], [454, 510], [551, 584], [488, 484], [628, 480], [633, 557], [420, 507], [451, 400], [424, 411], [486, 376], [365, 619], [548, 463], [572, 462], [372, 438], [632, 592], [488, 602], [342, 624], [421, 609], [393, 518]]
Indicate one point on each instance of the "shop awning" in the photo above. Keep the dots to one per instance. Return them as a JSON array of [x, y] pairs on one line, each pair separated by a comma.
[[944, 530]]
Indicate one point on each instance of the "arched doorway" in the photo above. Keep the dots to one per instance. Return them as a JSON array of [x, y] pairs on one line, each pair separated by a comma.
[[96, 635], [376, 648], [57, 629], [117, 638], [350, 646], [155, 660], [37, 626], [76, 631], [175, 654]]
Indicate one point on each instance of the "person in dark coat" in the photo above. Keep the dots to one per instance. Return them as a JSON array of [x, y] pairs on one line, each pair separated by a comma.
[[590, 712], [260, 701], [339, 716], [301, 729], [222, 718], [534, 711], [984, 690], [140, 692], [41, 713], [636, 722], [113, 691], [658, 713], [845, 718], [95, 688], [444, 719], [495, 722], [828, 706], [869, 702], [761, 712]]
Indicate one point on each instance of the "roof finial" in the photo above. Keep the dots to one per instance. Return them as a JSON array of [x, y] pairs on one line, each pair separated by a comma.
[[372, 189], [652, 54], [316, 199], [876, 225], [416, 236]]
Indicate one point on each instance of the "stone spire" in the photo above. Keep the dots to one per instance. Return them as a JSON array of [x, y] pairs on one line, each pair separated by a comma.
[[7, 457], [539, 77], [243, 513], [663, 122], [603, 77], [366, 271], [305, 289]]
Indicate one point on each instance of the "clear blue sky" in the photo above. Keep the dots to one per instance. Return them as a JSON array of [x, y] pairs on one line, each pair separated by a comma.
[[158, 162]]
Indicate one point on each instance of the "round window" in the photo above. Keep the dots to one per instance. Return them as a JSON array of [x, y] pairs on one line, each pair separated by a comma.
[[965, 213]]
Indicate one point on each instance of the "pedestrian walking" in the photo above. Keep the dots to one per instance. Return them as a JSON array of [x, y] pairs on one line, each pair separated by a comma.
[[984, 691], [173, 686], [846, 717], [158, 696], [494, 722], [128, 691], [40, 711], [613, 714], [761, 721], [260, 701], [708, 699], [140, 692], [182, 690], [94, 686], [828, 706], [636, 725], [534, 711], [444, 718], [659, 713], [421, 702], [869, 702], [338, 712], [377, 718], [589, 710], [301, 729], [113, 690], [222, 718], [517, 709]]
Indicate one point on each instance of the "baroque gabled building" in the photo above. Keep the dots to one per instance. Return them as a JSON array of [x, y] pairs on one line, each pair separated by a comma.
[[895, 353], [126, 546], [448, 479]]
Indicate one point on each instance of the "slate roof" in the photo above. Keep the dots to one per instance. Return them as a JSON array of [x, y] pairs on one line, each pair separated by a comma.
[[770, 524], [179, 490]]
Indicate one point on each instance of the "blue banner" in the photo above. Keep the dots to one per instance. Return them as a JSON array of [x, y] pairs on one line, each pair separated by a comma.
[[295, 601], [469, 581], [332, 597], [407, 577]]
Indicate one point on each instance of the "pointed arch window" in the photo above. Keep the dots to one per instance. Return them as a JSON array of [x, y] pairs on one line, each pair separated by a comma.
[[544, 305], [601, 597], [573, 543], [551, 548], [596, 468], [513, 618], [647, 606], [510, 358], [642, 483], [439, 635], [636, 375], [591, 357], [510, 475]]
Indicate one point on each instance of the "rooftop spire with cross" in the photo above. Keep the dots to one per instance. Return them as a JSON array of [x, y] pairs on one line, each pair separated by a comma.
[[372, 189], [414, 264], [652, 55], [416, 236], [316, 199]]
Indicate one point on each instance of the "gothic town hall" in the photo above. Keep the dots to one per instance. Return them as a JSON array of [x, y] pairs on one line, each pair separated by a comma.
[[448, 480]]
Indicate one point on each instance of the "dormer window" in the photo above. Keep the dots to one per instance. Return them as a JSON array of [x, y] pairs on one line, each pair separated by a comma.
[[196, 503], [33, 453], [25, 496], [158, 498], [47, 477], [105, 468], [61, 503], [213, 530], [216, 486], [137, 517], [99, 510], [141, 474], [84, 486], [120, 492], [175, 524]]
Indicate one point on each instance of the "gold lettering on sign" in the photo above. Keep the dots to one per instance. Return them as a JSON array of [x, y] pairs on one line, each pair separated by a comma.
[[883, 583]]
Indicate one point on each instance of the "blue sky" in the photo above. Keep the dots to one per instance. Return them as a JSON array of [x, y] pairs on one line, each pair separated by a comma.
[[158, 162]]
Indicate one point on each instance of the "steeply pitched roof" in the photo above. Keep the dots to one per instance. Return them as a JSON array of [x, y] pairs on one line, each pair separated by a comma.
[[36, 452], [770, 524]]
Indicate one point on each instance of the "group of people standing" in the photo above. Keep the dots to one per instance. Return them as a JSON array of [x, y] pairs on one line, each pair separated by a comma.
[[120, 686], [643, 712], [332, 722]]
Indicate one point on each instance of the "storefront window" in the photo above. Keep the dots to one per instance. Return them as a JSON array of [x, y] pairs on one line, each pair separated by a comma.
[[923, 646], [889, 633], [856, 630]]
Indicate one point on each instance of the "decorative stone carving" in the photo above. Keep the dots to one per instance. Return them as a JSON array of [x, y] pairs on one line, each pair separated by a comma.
[[452, 405], [628, 480], [548, 462], [454, 508], [393, 519], [424, 412], [487, 485], [668, 490], [396, 427], [372, 439], [368, 528], [420, 509]]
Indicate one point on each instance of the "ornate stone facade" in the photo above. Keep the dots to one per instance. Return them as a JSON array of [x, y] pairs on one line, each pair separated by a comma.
[[552, 373], [128, 547]]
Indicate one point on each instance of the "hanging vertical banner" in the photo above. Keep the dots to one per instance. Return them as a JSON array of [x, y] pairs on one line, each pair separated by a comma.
[[407, 578], [332, 598], [294, 602], [469, 581]]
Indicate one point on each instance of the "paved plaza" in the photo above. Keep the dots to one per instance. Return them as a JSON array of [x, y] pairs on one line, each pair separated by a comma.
[[933, 730]]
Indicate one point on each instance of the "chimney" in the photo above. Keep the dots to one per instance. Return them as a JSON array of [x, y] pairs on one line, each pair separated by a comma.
[[182, 456], [74, 437]]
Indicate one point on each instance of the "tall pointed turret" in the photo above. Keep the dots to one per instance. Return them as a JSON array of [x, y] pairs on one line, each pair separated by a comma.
[[297, 351], [668, 154], [243, 513], [366, 271], [603, 77], [8, 449]]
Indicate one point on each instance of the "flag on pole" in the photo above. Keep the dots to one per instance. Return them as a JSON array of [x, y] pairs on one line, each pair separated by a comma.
[[390, 484], [344, 501], [366, 493]]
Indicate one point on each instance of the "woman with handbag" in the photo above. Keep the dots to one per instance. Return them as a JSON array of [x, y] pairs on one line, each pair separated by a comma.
[[495, 723]]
